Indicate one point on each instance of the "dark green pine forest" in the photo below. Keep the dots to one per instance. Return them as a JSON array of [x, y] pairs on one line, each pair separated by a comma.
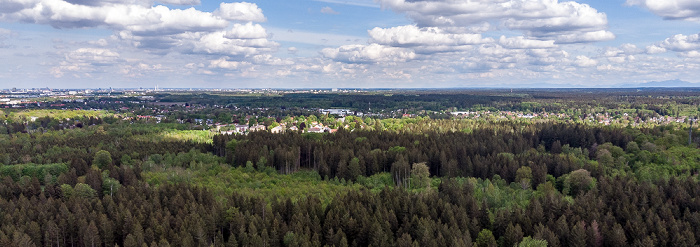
[[550, 170]]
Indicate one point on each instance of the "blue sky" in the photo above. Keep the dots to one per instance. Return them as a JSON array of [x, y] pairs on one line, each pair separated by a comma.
[[346, 43]]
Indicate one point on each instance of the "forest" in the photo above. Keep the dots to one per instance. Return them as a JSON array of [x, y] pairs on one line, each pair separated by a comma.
[[558, 167]]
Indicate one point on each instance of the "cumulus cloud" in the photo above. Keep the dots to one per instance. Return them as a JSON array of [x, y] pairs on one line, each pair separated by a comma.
[[654, 49], [584, 61], [691, 54], [522, 43], [568, 37], [181, 2], [373, 53], [160, 20], [84, 61], [145, 20], [685, 45], [93, 56], [565, 22], [133, 2], [223, 63], [230, 42], [139, 69], [411, 36], [626, 52], [246, 31], [329, 11], [242, 11], [681, 43], [158, 28], [688, 10], [268, 59], [230, 31]]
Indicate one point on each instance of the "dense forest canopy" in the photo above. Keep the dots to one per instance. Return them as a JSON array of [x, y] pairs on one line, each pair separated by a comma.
[[567, 167]]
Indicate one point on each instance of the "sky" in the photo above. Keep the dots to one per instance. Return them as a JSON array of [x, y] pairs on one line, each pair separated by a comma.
[[346, 43]]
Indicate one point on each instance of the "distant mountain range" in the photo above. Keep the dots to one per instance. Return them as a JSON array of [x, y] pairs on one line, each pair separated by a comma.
[[668, 83]]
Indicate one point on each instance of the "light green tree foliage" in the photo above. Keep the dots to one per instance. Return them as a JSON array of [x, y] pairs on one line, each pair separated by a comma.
[[486, 239], [354, 168], [32, 170], [102, 159], [261, 164], [524, 177], [530, 242], [420, 175], [249, 166], [109, 184], [66, 190], [80, 190], [579, 181]]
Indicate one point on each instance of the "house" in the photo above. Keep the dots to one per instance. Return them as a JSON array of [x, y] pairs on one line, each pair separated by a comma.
[[339, 112], [240, 128], [257, 127], [278, 129], [314, 130]]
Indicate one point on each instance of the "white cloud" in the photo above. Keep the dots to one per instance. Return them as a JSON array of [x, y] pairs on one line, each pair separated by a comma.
[[565, 22], [223, 63], [140, 69], [361, 3], [137, 18], [246, 31], [654, 49], [681, 43], [242, 11], [411, 36], [144, 25], [373, 53], [107, 2], [181, 2], [688, 10], [99, 42], [93, 56], [621, 54], [684, 45], [268, 59], [223, 44], [329, 11], [691, 54], [584, 61], [84, 61], [582, 37], [145, 3], [160, 20], [522, 43]]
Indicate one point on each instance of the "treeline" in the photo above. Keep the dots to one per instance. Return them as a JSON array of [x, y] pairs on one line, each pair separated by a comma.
[[499, 148], [126, 144]]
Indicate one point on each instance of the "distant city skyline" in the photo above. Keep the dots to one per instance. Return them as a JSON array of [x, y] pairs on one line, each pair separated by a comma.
[[347, 43]]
